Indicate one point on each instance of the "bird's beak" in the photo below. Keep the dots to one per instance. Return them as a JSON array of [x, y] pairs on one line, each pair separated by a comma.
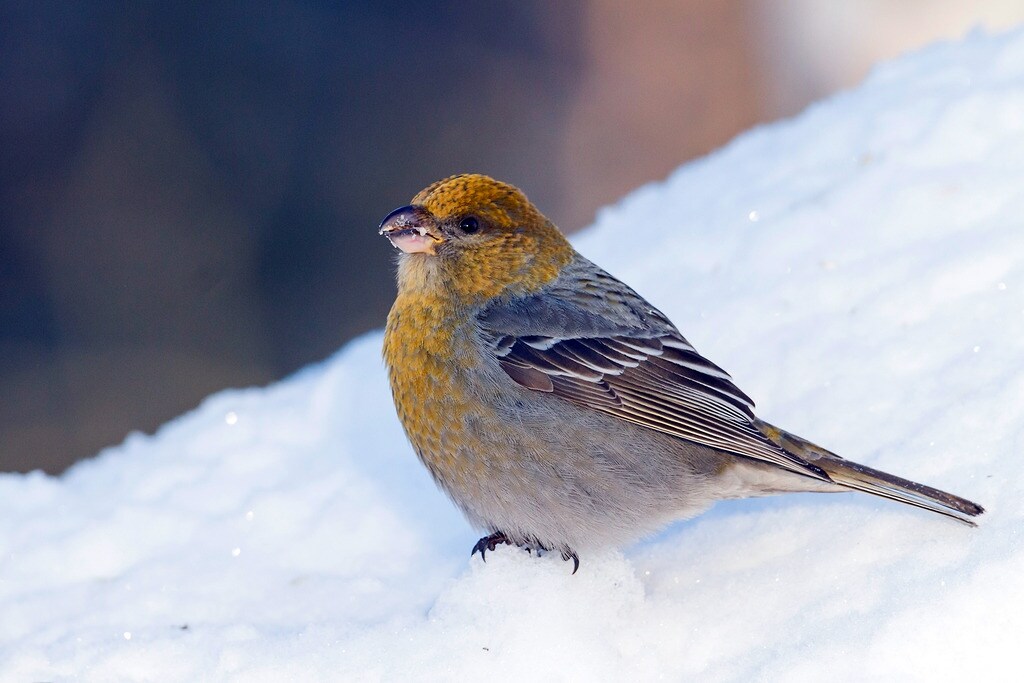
[[412, 229]]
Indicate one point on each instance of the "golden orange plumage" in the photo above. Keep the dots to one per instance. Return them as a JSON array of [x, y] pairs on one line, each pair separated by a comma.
[[429, 335], [525, 252]]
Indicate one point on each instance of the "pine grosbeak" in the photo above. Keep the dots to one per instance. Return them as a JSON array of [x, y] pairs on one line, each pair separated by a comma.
[[559, 409]]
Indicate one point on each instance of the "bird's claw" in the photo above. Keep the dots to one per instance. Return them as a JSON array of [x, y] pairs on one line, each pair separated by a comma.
[[489, 543], [575, 560]]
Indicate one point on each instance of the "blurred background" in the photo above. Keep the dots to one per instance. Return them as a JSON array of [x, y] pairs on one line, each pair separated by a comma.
[[189, 192]]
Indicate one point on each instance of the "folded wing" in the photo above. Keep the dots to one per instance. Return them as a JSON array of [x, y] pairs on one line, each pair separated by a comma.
[[610, 351]]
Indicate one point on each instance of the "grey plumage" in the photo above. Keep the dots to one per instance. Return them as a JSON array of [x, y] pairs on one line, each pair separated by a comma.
[[692, 434]]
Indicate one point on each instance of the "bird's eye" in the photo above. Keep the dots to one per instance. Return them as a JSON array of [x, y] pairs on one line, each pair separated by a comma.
[[469, 224]]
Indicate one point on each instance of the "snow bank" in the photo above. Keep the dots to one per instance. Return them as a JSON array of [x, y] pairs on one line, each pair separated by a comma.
[[859, 270]]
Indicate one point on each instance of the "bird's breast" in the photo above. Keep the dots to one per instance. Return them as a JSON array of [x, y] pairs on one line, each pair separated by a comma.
[[434, 367]]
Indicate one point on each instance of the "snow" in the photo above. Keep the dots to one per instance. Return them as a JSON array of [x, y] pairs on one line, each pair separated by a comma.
[[859, 270]]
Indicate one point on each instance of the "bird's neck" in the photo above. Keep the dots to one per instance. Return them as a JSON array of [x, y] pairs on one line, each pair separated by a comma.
[[519, 264]]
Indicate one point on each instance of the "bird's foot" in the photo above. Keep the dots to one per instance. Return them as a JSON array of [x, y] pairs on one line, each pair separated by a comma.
[[489, 543]]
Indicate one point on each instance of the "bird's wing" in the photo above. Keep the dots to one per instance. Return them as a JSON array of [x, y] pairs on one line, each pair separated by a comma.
[[590, 339]]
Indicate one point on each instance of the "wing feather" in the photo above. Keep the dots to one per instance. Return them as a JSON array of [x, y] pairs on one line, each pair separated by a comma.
[[632, 364]]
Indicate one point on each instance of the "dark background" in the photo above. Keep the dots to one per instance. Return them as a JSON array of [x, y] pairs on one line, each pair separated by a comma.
[[189, 193]]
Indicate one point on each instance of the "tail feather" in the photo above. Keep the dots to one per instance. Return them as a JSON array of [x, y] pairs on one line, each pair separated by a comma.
[[852, 475], [862, 478]]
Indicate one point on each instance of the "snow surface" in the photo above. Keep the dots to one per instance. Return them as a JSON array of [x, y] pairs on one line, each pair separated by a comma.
[[859, 270]]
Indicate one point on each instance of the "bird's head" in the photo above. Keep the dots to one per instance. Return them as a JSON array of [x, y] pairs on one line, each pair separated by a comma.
[[477, 237]]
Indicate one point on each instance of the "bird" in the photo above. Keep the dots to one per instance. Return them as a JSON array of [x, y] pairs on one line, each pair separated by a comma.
[[557, 408]]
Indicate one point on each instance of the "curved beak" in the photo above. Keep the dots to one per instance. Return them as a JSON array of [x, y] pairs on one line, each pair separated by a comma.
[[411, 229]]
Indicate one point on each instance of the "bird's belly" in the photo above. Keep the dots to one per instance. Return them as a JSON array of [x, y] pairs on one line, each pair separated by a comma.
[[547, 472]]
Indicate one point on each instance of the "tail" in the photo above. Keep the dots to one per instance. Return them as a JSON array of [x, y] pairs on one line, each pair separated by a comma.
[[862, 478]]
